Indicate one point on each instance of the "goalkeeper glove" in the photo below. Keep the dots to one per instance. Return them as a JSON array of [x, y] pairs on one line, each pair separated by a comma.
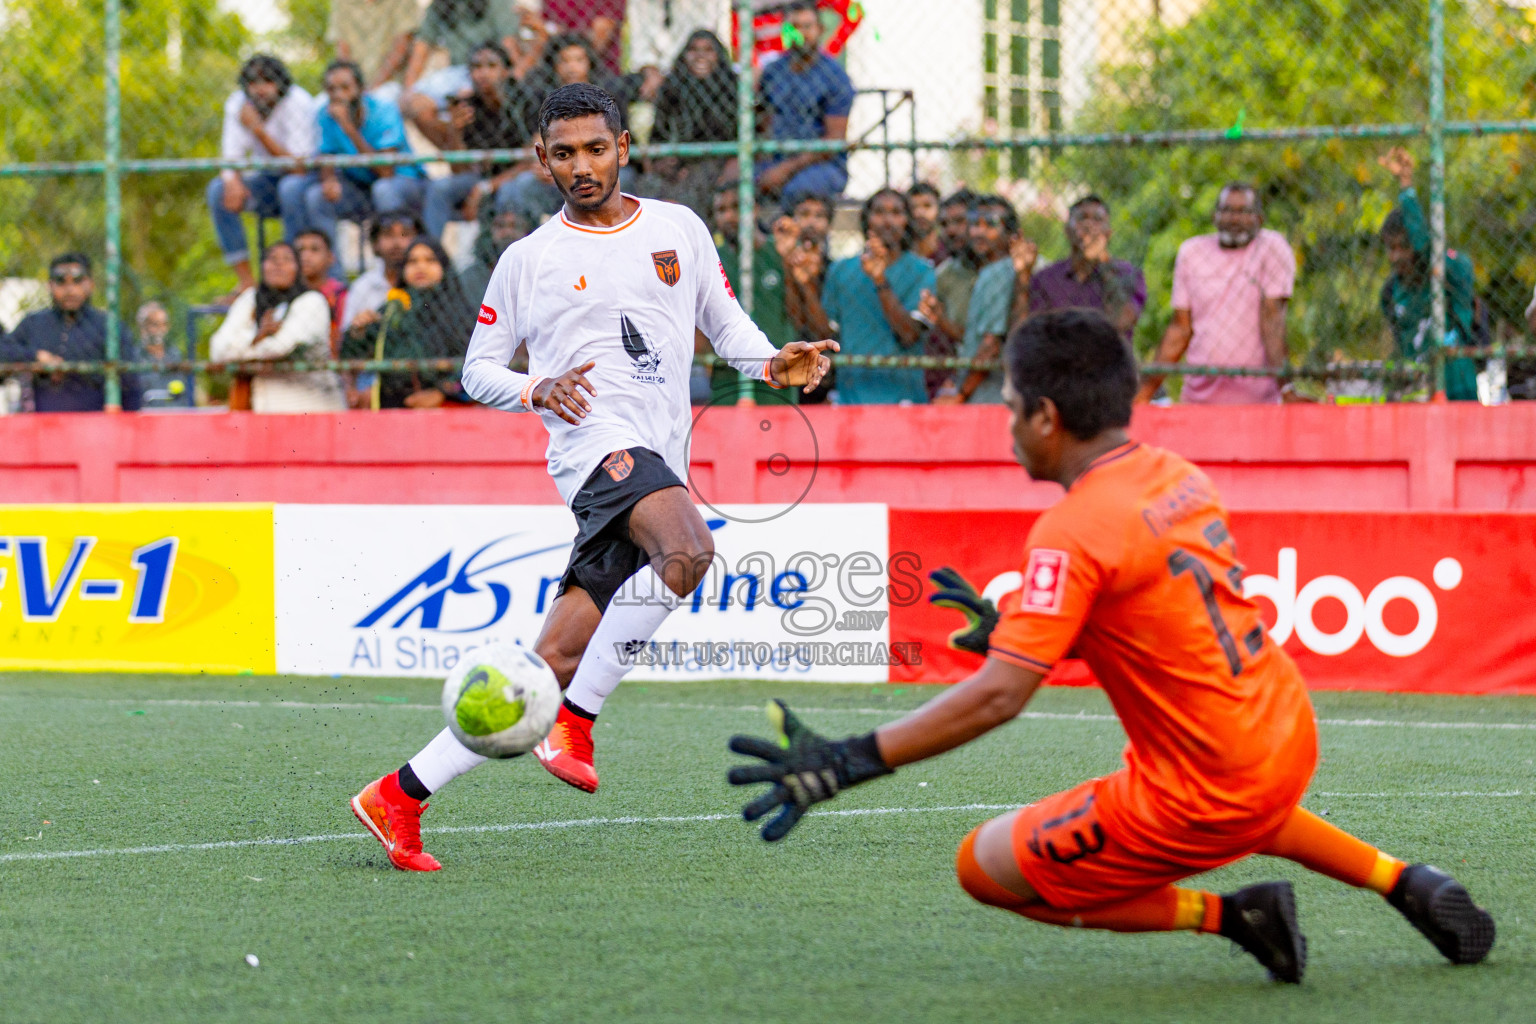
[[980, 613], [805, 769]]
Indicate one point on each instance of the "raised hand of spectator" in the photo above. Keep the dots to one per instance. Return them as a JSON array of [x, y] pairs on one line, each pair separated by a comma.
[[251, 118], [776, 177], [875, 259], [786, 236], [1023, 252], [330, 188], [1400, 164], [651, 79], [805, 264], [341, 112], [929, 307], [235, 193], [460, 114], [363, 319]]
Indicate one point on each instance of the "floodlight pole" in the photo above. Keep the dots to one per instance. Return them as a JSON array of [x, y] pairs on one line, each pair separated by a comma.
[[112, 184]]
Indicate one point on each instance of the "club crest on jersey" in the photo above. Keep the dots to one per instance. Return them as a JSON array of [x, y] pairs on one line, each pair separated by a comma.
[[1045, 581], [647, 361], [667, 267], [487, 315]]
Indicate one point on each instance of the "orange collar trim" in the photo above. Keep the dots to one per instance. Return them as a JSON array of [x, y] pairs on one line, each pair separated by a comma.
[[639, 208]]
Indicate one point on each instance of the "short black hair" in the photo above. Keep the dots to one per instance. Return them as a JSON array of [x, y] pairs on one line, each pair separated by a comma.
[[344, 65], [731, 185], [1091, 199], [579, 99], [1010, 215], [390, 219], [492, 46], [267, 68], [319, 233], [922, 188], [825, 202], [1394, 226], [1077, 359], [906, 208], [959, 197], [64, 259]]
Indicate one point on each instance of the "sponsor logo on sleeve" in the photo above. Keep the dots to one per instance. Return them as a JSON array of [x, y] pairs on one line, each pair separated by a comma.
[[724, 277], [487, 315], [1045, 581]]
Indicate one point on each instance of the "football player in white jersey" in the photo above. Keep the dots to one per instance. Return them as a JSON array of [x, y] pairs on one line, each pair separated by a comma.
[[606, 297]]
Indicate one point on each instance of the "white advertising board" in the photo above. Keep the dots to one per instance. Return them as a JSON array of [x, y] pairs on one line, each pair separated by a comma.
[[409, 590]]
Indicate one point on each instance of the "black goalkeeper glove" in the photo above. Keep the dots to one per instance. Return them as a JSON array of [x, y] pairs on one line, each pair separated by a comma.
[[980, 613], [805, 769]]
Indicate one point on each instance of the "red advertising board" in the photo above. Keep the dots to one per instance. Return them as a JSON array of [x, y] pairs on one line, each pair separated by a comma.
[[1431, 602]]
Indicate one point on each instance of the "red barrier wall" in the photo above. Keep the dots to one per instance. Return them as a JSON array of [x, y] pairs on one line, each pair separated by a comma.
[[1423, 457]]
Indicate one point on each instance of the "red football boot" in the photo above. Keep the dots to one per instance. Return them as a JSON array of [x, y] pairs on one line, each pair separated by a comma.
[[395, 820], [567, 751]]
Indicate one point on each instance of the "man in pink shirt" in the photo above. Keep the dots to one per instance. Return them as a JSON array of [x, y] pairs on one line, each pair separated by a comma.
[[1230, 291]]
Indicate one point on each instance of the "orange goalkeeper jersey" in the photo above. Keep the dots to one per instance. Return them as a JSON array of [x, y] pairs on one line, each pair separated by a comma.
[[1135, 572]]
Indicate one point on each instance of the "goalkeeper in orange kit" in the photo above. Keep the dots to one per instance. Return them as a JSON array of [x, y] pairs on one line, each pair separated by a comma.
[[1135, 572]]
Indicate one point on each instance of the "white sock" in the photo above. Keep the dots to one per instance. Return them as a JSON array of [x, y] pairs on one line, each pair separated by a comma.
[[443, 760], [633, 616]]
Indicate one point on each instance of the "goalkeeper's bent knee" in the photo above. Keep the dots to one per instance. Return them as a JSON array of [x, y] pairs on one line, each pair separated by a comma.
[[978, 883]]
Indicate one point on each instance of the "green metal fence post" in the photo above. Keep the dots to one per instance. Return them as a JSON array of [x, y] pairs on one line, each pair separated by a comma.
[[746, 125], [1437, 190], [112, 184]]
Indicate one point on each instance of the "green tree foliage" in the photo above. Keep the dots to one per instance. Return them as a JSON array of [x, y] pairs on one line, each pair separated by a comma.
[[1238, 64]]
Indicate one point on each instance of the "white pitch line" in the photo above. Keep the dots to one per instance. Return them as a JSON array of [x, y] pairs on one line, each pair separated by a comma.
[[1054, 716], [516, 826], [542, 826]]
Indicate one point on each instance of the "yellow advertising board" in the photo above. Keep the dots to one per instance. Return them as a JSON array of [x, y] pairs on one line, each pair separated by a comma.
[[163, 588]]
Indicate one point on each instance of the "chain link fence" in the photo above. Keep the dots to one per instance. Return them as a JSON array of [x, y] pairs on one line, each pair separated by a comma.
[[121, 116]]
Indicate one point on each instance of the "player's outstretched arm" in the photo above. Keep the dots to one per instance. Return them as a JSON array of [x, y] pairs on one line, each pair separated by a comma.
[[805, 769], [562, 395], [802, 363]]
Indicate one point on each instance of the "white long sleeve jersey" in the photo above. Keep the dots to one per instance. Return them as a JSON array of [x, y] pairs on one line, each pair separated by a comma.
[[628, 299]]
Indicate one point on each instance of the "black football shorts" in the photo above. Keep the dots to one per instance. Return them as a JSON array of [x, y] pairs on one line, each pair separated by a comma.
[[603, 556]]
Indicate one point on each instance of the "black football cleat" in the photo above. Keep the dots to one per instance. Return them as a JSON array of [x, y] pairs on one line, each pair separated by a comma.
[[1440, 907], [1262, 920]]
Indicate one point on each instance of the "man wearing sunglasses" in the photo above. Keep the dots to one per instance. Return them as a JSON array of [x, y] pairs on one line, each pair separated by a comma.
[[70, 330]]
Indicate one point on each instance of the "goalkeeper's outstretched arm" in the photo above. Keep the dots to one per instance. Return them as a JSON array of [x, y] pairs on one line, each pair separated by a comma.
[[994, 695]]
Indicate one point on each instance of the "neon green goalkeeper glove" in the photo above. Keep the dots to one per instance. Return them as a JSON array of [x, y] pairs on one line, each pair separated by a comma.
[[980, 613]]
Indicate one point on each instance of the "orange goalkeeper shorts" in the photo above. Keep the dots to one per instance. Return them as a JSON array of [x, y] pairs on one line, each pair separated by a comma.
[[1094, 845]]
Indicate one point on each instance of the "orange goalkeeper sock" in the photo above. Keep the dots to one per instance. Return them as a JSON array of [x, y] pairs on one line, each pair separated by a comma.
[[1318, 846], [1164, 910]]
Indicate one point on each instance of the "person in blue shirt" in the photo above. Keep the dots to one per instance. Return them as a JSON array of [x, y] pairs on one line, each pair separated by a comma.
[[353, 123], [808, 96], [867, 303]]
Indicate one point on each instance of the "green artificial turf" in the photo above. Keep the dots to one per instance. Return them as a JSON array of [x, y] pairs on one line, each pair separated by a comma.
[[853, 918]]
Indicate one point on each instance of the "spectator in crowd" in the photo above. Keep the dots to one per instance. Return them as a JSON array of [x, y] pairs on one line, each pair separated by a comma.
[[316, 258], [695, 103], [770, 300], [281, 318], [159, 389], [993, 234], [390, 235], [496, 233], [868, 302], [458, 27], [354, 123], [927, 241], [70, 330], [267, 116], [1230, 292], [373, 34], [1089, 278], [945, 307], [808, 96], [813, 215], [596, 21], [429, 318], [569, 59], [492, 115], [1405, 295]]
